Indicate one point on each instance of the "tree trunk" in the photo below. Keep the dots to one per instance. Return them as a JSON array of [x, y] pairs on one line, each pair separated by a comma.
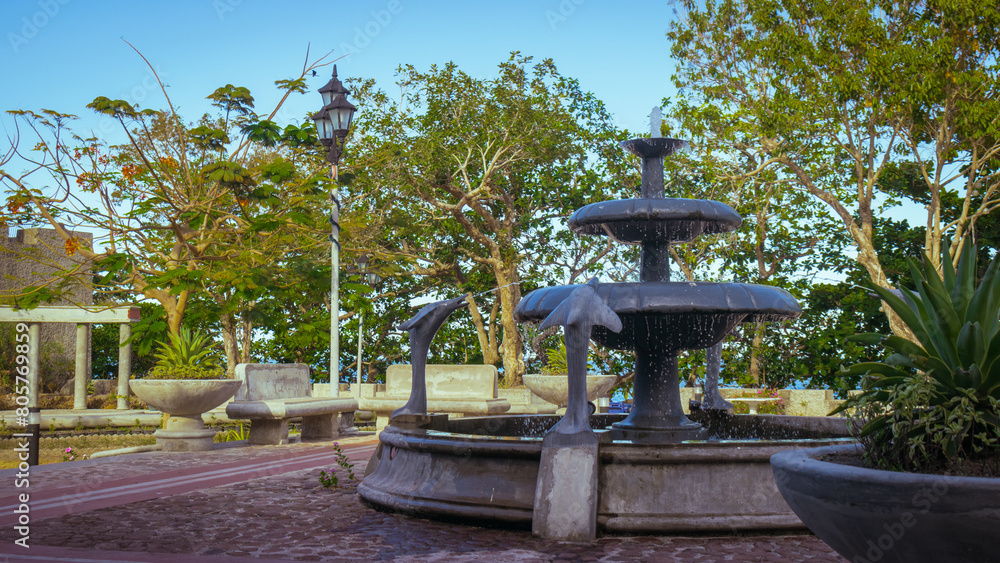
[[229, 343], [511, 347], [486, 331], [246, 343], [758, 340], [173, 306], [868, 258]]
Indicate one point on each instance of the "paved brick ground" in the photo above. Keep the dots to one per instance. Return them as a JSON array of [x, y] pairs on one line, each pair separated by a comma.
[[292, 517]]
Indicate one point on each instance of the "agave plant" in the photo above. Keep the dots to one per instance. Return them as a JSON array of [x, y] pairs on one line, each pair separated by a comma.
[[187, 355], [556, 364], [933, 403]]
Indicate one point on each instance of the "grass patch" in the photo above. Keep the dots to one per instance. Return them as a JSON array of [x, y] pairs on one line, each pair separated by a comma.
[[51, 449]]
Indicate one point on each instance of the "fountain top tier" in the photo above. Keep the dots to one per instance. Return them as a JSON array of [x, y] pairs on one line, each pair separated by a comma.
[[655, 220], [654, 304]]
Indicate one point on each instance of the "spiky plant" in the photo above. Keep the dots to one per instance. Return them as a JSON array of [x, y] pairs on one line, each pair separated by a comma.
[[933, 404], [557, 363], [187, 355]]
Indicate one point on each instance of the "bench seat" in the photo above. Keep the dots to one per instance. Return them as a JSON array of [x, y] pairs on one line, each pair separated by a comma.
[[466, 390], [290, 408], [272, 394]]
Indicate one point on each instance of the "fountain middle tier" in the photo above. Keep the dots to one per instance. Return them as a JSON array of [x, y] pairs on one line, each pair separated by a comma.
[[671, 316], [658, 320]]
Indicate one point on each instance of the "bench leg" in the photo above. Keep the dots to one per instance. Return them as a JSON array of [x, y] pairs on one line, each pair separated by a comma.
[[264, 432], [320, 427], [347, 422]]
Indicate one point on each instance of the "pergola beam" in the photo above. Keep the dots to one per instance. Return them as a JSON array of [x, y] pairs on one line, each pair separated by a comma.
[[70, 314]]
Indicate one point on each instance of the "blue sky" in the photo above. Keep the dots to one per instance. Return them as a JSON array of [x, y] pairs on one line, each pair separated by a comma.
[[61, 54]]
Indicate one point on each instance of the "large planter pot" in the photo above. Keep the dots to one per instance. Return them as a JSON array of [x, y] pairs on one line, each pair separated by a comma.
[[184, 400], [872, 515], [555, 388]]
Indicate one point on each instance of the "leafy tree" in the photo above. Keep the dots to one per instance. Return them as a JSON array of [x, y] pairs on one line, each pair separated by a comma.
[[193, 214], [104, 344], [823, 94], [470, 182], [812, 349]]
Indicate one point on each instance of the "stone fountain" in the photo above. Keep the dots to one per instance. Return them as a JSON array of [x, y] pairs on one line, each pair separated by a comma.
[[657, 469], [662, 317]]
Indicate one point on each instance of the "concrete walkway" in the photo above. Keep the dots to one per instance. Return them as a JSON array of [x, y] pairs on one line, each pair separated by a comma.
[[265, 503]]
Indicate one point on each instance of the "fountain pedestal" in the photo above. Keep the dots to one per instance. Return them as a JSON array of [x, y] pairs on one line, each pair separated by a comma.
[[657, 415]]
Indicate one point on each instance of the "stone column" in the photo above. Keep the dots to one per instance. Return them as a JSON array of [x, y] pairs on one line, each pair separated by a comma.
[[34, 377], [124, 364], [80, 387]]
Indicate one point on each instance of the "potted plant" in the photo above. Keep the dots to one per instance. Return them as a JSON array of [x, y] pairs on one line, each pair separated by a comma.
[[552, 384], [924, 482], [185, 383]]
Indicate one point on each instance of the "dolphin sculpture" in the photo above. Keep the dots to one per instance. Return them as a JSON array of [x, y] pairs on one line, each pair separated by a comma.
[[566, 492], [422, 328], [578, 313]]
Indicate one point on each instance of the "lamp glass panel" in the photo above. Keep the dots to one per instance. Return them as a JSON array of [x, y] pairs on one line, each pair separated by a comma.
[[342, 118], [318, 121], [340, 121], [324, 128]]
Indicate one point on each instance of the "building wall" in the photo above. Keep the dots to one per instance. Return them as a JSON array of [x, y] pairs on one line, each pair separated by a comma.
[[34, 256]]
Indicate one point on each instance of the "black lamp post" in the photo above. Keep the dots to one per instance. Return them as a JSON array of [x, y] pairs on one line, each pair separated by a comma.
[[333, 122]]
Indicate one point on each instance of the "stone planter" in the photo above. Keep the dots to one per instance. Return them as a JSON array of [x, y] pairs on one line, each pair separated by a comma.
[[555, 388], [184, 400], [873, 515]]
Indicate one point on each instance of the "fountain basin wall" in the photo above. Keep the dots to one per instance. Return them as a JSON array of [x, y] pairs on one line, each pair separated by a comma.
[[485, 469]]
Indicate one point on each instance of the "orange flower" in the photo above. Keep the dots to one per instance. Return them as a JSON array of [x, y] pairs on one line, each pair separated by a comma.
[[72, 244]]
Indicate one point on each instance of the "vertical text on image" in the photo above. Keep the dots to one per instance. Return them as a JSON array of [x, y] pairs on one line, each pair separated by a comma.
[[22, 347]]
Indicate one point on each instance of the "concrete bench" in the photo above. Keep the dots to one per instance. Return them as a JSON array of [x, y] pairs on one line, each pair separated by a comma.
[[467, 390], [274, 393]]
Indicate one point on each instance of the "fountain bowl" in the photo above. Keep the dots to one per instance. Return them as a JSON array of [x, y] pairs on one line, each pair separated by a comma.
[[484, 469], [555, 388]]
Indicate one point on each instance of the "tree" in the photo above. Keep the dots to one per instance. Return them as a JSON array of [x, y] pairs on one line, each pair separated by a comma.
[[472, 178], [191, 213], [812, 349], [823, 94]]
